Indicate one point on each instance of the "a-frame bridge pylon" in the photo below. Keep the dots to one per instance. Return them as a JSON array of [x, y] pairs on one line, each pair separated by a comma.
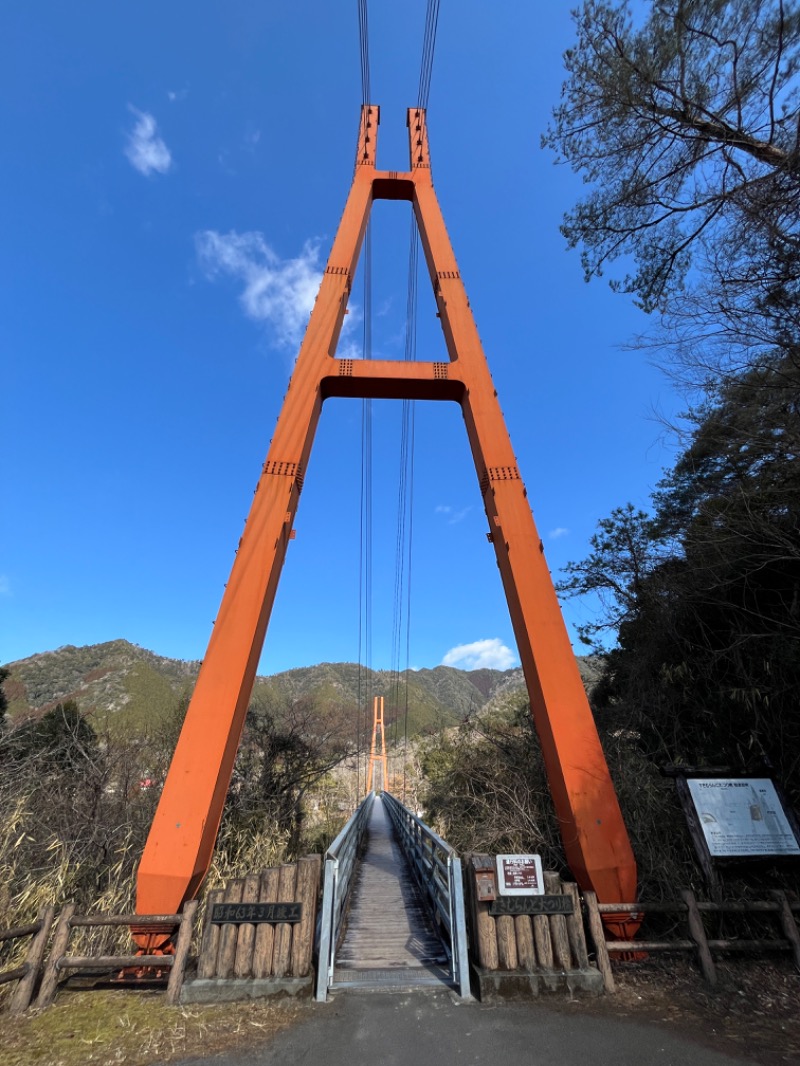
[[179, 848], [377, 757]]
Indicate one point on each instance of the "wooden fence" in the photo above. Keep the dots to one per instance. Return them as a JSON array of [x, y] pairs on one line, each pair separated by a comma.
[[696, 939], [68, 921], [27, 973]]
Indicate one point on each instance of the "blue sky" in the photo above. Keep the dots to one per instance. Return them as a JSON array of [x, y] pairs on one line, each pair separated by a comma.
[[174, 177]]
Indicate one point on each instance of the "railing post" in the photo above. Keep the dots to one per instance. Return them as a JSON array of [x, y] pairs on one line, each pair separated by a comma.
[[459, 928], [327, 909]]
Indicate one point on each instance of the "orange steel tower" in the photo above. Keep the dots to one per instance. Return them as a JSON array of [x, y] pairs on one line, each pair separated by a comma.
[[377, 724], [179, 848]]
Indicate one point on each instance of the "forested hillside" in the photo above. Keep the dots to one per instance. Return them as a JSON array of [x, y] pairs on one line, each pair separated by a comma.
[[683, 121], [127, 689]]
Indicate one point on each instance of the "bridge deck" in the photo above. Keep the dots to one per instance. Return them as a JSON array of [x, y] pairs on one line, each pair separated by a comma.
[[389, 938]]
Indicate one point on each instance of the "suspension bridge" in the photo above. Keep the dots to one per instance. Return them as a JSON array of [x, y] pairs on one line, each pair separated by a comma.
[[180, 845], [393, 908]]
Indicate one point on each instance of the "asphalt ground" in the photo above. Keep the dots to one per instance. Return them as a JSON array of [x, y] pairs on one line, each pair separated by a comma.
[[434, 1028]]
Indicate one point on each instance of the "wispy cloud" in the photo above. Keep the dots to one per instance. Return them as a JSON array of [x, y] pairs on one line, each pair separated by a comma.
[[146, 151], [277, 292], [5, 586], [481, 655], [559, 531], [451, 514], [252, 136]]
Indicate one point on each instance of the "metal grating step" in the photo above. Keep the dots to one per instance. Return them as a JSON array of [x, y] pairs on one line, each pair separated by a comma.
[[374, 980]]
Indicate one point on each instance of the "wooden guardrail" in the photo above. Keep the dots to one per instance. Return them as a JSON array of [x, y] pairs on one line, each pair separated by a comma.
[[696, 939], [27, 973], [68, 920], [273, 949]]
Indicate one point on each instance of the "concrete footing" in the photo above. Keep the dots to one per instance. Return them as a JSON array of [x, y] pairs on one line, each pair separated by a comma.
[[499, 985], [220, 990]]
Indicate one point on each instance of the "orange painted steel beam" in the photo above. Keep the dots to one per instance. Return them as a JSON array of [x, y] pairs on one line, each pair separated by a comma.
[[181, 841]]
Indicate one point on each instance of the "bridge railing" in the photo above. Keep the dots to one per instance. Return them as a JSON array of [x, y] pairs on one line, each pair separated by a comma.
[[437, 869], [340, 863]]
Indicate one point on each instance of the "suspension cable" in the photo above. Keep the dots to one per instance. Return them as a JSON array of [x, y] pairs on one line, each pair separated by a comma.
[[404, 537], [365, 675], [404, 540], [428, 48], [363, 41], [365, 532], [405, 523]]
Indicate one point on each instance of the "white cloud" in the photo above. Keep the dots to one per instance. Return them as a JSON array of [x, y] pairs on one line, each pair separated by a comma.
[[145, 150], [559, 531], [481, 655], [5, 586], [278, 292], [251, 137], [453, 516]]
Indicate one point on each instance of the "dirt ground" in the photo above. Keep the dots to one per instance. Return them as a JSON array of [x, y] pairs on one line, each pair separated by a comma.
[[754, 1011]]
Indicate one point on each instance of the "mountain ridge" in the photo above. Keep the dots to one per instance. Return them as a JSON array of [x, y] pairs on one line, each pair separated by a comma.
[[122, 686]]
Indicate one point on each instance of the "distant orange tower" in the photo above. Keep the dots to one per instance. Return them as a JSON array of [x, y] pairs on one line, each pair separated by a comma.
[[181, 841], [374, 755]]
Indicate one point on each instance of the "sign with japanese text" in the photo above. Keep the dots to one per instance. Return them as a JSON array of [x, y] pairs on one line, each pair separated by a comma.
[[742, 816], [519, 875], [224, 913], [532, 905]]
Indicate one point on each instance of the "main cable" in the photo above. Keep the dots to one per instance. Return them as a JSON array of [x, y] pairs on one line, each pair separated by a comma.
[[403, 539], [365, 675], [363, 42], [428, 48], [365, 680]]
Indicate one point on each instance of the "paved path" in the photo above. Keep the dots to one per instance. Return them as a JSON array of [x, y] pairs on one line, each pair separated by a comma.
[[434, 1029]]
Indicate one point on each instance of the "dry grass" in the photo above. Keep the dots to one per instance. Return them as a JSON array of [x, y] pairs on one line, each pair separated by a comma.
[[136, 1028]]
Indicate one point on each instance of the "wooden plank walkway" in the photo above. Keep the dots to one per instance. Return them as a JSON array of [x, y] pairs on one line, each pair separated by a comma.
[[389, 940]]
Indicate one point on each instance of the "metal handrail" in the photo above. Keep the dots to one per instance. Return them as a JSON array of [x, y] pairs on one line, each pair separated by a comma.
[[340, 863], [437, 870]]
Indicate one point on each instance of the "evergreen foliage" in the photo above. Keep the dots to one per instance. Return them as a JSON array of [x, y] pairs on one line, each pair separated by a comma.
[[704, 595], [686, 127]]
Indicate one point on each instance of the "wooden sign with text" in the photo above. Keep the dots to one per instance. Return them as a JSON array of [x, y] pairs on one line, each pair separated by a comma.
[[531, 905], [233, 913]]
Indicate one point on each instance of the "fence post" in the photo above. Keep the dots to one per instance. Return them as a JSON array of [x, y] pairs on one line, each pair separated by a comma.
[[57, 952], [698, 934], [182, 945], [788, 924], [33, 961], [599, 940]]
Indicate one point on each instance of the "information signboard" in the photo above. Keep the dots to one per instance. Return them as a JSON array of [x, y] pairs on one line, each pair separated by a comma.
[[519, 875], [742, 816]]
